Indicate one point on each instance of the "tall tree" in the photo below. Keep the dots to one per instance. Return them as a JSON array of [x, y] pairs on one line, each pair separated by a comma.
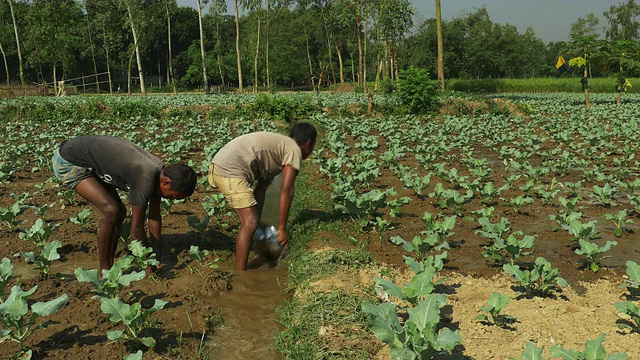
[[171, 77], [205, 81], [623, 22], [238, 53], [217, 9], [54, 35], [440, 46], [396, 19], [15, 30], [134, 13]]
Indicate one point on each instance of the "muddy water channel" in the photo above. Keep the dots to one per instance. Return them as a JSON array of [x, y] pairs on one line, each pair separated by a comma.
[[248, 310]]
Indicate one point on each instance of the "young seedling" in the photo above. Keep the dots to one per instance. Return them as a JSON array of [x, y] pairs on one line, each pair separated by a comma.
[[419, 337], [44, 259], [419, 245], [9, 215], [17, 324], [43, 210], [136, 319], [82, 218], [541, 280], [518, 202], [38, 233], [631, 310], [581, 231], [200, 225], [531, 352], [495, 304], [509, 249], [143, 256], [113, 280], [68, 197], [594, 350], [619, 220], [6, 275], [593, 254], [633, 282], [604, 194], [200, 256]]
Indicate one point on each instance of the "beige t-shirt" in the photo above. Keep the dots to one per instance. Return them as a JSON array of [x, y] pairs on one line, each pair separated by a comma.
[[257, 156]]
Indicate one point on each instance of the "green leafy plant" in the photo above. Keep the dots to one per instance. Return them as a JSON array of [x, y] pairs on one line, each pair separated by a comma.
[[509, 249], [541, 280], [619, 220], [134, 317], [39, 232], [82, 218], [593, 253], [202, 226], [633, 282], [200, 256], [581, 231], [17, 324], [495, 304], [594, 350], [531, 352], [113, 280], [518, 202], [604, 194], [143, 256], [420, 336], [44, 258], [633, 312], [417, 91], [6, 275], [9, 215]]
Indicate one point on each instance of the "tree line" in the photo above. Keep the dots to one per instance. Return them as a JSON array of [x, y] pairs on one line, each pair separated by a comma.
[[287, 43]]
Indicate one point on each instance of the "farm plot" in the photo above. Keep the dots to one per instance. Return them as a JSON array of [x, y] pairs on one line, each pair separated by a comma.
[[524, 216], [49, 251], [397, 218]]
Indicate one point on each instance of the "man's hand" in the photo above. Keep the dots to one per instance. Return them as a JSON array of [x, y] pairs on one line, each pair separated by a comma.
[[283, 237]]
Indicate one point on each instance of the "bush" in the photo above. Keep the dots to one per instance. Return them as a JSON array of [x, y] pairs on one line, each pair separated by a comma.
[[418, 93], [286, 108]]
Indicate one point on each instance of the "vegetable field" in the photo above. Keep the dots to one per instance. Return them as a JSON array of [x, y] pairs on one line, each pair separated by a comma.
[[496, 228]]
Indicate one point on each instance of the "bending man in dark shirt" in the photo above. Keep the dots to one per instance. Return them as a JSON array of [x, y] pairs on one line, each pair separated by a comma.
[[95, 166]]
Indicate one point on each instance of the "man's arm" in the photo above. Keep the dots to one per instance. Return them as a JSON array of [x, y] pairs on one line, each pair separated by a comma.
[[286, 198], [155, 226]]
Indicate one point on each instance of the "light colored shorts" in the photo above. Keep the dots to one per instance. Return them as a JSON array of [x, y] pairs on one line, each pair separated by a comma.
[[69, 175], [238, 192]]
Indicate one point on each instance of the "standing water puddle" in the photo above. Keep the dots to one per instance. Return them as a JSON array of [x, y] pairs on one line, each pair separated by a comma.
[[248, 310]]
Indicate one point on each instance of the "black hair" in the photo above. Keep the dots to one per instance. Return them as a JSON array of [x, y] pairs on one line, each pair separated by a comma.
[[302, 132], [183, 178]]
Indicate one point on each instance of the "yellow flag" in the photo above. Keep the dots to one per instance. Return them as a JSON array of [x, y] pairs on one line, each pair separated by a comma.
[[560, 62]]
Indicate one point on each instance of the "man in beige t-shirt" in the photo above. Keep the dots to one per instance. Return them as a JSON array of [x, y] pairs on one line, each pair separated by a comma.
[[243, 169]]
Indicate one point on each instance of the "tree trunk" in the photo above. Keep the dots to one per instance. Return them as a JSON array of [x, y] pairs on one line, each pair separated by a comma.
[[359, 36], [93, 58], [364, 54], [6, 67], [143, 90], [340, 65], [266, 59], [170, 61], [587, 102], [440, 46], [240, 89], [218, 53], [326, 30], [205, 81], [129, 72], [255, 57], [306, 41], [15, 30]]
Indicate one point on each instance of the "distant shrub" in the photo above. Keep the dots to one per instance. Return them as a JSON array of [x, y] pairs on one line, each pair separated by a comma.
[[287, 108], [418, 93]]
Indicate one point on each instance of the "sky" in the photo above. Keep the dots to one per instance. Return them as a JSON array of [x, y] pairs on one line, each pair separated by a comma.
[[550, 19]]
